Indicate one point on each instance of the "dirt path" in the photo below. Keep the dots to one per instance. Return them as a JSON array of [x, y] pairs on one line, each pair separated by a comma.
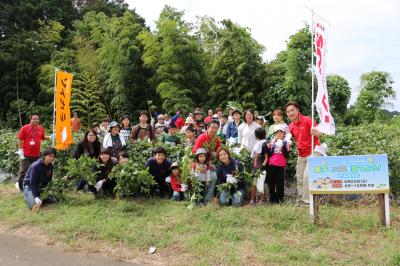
[[20, 250]]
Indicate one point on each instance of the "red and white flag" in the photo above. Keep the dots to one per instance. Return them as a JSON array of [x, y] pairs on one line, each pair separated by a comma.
[[327, 124]]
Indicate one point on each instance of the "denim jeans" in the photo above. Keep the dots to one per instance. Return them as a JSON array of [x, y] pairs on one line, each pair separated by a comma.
[[29, 198], [209, 195], [177, 196], [236, 197]]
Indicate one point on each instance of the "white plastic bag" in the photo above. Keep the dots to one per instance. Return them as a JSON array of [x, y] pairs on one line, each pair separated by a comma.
[[261, 181]]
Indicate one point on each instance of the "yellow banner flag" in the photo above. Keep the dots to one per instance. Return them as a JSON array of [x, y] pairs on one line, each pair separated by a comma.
[[63, 113]]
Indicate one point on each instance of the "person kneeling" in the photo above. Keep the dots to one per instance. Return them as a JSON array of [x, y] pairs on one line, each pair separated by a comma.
[[227, 172], [178, 188], [37, 178]]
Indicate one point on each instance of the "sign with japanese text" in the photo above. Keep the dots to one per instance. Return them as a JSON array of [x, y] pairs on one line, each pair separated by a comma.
[[348, 174], [63, 113]]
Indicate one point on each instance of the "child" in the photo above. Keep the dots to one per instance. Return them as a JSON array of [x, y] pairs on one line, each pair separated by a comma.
[[277, 116], [178, 189], [201, 170], [171, 138], [123, 157], [160, 127], [190, 137], [260, 159], [278, 152]]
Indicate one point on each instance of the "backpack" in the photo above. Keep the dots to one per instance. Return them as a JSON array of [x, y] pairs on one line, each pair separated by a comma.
[[149, 128]]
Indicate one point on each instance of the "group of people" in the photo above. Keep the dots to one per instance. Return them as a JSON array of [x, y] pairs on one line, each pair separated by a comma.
[[269, 148]]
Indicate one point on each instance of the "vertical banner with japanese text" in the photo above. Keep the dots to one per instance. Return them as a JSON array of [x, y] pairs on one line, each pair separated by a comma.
[[63, 128], [327, 124]]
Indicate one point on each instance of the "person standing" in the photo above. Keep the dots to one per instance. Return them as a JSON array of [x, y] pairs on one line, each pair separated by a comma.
[[126, 128], [246, 136], [302, 130], [75, 122], [232, 127], [114, 141], [30, 137], [143, 130]]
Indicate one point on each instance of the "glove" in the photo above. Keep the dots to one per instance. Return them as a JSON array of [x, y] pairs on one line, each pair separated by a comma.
[[231, 179], [20, 153], [168, 179], [38, 201], [183, 187], [99, 184], [52, 136]]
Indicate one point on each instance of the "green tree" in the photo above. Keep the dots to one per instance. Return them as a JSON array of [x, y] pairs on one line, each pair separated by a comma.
[[376, 91], [339, 94], [174, 55]]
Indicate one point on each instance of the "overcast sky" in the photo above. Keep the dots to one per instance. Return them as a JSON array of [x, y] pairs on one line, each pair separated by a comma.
[[363, 36]]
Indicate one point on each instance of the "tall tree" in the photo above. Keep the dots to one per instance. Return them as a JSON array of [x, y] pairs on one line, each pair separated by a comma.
[[339, 94]]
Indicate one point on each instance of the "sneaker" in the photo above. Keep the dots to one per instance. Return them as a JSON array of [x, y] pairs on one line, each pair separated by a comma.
[[36, 208], [17, 186], [252, 202], [261, 202]]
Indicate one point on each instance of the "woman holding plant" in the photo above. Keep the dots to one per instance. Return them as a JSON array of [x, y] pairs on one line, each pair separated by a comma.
[[231, 187]]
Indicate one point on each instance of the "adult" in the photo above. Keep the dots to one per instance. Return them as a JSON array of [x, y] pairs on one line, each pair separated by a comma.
[[302, 130], [113, 141], [211, 142], [246, 136], [143, 130], [232, 127], [75, 122], [96, 128], [230, 113], [39, 175], [30, 137], [223, 122], [126, 127], [178, 120], [159, 167], [104, 127], [103, 182], [198, 118], [227, 172], [219, 112], [89, 146], [209, 117]]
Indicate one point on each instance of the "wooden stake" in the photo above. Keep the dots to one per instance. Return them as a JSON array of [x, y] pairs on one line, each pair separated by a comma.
[[381, 206]]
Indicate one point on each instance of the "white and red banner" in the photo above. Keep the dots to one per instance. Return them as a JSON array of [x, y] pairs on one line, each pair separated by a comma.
[[327, 124]]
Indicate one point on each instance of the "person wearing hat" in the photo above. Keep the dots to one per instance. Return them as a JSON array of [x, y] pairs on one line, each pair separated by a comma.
[[201, 171], [160, 127], [189, 121], [278, 154], [177, 184], [232, 128], [198, 119], [113, 141]]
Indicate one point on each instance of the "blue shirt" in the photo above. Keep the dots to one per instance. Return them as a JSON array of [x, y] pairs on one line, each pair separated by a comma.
[[38, 176], [232, 130]]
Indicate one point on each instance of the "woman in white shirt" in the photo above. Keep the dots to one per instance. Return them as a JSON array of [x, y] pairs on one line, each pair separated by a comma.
[[246, 136]]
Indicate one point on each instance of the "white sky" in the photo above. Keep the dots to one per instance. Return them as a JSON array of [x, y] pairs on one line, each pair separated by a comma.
[[363, 36]]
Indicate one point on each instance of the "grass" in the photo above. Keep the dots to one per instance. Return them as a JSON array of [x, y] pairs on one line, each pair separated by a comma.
[[211, 235]]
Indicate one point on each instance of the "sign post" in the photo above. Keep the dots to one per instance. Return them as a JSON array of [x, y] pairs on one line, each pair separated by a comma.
[[359, 174]]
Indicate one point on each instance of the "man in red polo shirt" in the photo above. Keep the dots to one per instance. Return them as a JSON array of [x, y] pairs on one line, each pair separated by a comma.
[[211, 142], [30, 137], [302, 130]]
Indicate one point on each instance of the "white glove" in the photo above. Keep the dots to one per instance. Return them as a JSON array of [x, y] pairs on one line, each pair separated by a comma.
[[99, 184], [20, 153], [52, 136], [231, 179], [183, 187], [168, 179], [38, 201]]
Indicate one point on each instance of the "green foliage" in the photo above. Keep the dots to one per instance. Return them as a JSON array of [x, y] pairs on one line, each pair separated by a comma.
[[339, 95], [376, 90], [83, 168], [132, 178]]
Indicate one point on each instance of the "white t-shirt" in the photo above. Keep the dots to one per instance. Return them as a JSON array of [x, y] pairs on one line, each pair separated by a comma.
[[246, 137]]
